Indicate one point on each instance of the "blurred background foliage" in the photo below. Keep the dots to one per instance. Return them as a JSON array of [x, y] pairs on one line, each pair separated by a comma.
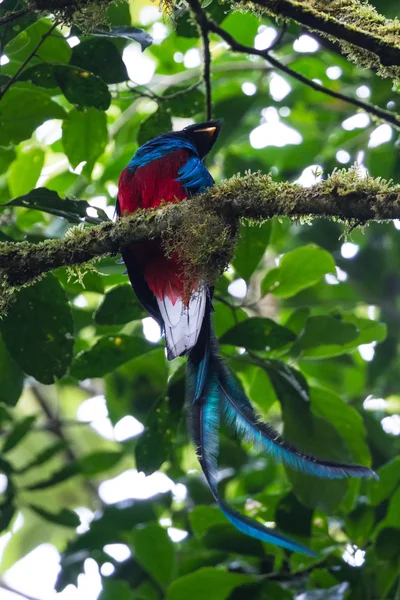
[[100, 492]]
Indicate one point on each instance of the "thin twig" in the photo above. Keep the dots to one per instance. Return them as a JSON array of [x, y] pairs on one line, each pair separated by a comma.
[[55, 423], [202, 21], [276, 43], [207, 70], [14, 15], [207, 73], [57, 430], [53, 426], [386, 115], [27, 60], [153, 96]]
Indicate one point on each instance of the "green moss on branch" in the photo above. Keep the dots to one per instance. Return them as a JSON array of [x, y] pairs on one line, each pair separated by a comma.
[[369, 39], [202, 230]]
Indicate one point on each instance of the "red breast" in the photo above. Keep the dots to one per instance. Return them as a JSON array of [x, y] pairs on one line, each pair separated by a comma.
[[153, 183]]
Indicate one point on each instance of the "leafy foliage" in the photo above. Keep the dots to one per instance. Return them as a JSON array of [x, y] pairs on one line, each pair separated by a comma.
[[307, 318], [38, 330]]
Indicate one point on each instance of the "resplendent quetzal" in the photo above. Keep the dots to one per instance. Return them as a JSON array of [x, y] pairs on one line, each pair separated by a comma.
[[170, 168]]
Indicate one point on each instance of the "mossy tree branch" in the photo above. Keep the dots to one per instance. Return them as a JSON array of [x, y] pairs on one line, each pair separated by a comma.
[[202, 229], [366, 37]]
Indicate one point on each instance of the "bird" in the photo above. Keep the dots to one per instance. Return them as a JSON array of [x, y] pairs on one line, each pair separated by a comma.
[[169, 169]]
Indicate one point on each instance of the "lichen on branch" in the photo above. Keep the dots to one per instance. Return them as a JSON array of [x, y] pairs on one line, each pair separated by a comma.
[[367, 38], [202, 230], [84, 14]]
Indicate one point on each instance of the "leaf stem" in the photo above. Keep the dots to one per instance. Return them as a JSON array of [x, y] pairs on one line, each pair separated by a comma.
[[14, 15], [27, 60]]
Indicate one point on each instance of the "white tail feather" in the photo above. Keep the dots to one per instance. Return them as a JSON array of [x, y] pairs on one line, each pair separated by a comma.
[[182, 323]]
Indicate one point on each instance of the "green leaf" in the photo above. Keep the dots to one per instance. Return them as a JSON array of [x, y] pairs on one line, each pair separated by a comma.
[[297, 320], [54, 49], [115, 589], [185, 105], [65, 517], [253, 242], [22, 110], [386, 579], [292, 517], [108, 353], [44, 456], [41, 75], [38, 330], [242, 26], [84, 137], [50, 202], [258, 334], [387, 543], [20, 429], [226, 538], [89, 465], [233, 110], [287, 381], [203, 517], [155, 552], [101, 57], [21, 24], [157, 443], [111, 524], [146, 591], [323, 332], [185, 27], [370, 331], [158, 123], [389, 478], [310, 433], [11, 377], [118, 13], [321, 578], [127, 32], [6, 467], [359, 524], [346, 420], [25, 171], [357, 330], [257, 385], [119, 306], [147, 375], [298, 270], [225, 317], [63, 474], [392, 517], [4, 80], [268, 590], [82, 87], [7, 510], [7, 155], [210, 583], [98, 462]]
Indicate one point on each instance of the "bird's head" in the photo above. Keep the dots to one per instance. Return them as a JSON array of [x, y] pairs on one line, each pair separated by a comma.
[[202, 135], [198, 138]]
